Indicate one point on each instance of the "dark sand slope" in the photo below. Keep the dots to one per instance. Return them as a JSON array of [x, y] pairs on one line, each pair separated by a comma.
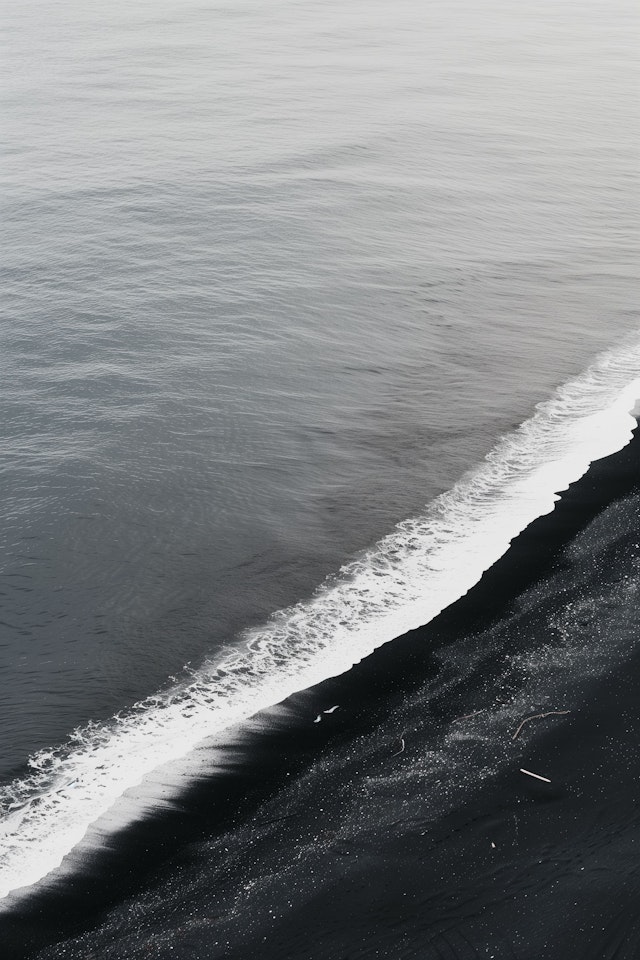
[[442, 857], [394, 829]]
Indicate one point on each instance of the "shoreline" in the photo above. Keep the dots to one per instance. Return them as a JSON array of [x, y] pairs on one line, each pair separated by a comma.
[[282, 742]]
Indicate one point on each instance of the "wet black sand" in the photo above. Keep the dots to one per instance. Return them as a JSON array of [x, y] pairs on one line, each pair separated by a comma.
[[508, 867]]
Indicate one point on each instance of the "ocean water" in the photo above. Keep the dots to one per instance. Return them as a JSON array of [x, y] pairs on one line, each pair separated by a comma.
[[309, 310]]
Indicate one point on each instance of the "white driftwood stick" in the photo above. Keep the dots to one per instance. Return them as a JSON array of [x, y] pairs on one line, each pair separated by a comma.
[[536, 775]]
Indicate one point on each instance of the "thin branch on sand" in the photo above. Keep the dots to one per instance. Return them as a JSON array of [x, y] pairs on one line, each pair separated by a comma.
[[468, 716], [539, 716]]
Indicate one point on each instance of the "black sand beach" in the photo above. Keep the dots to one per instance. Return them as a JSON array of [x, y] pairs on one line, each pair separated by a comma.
[[307, 309], [400, 825]]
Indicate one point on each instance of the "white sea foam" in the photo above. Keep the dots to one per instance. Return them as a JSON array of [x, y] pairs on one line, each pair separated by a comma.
[[423, 566]]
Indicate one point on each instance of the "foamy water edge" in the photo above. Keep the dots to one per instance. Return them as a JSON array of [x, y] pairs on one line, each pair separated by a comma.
[[403, 582]]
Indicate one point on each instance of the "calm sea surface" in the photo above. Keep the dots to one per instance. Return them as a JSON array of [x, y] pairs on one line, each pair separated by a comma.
[[274, 276]]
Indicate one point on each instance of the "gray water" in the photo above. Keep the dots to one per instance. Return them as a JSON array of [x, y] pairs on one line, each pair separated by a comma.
[[274, 276]]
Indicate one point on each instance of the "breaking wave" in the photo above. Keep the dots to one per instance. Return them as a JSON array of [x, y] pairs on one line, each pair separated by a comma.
[[403, 582]]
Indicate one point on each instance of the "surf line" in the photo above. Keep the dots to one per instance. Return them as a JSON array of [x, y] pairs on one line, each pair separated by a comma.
[[425, 564]]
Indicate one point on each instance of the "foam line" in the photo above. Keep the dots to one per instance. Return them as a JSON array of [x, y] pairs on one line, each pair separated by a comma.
[[403, 582]]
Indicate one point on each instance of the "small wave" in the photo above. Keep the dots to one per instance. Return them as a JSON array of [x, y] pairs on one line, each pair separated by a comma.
[[408, 578]]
